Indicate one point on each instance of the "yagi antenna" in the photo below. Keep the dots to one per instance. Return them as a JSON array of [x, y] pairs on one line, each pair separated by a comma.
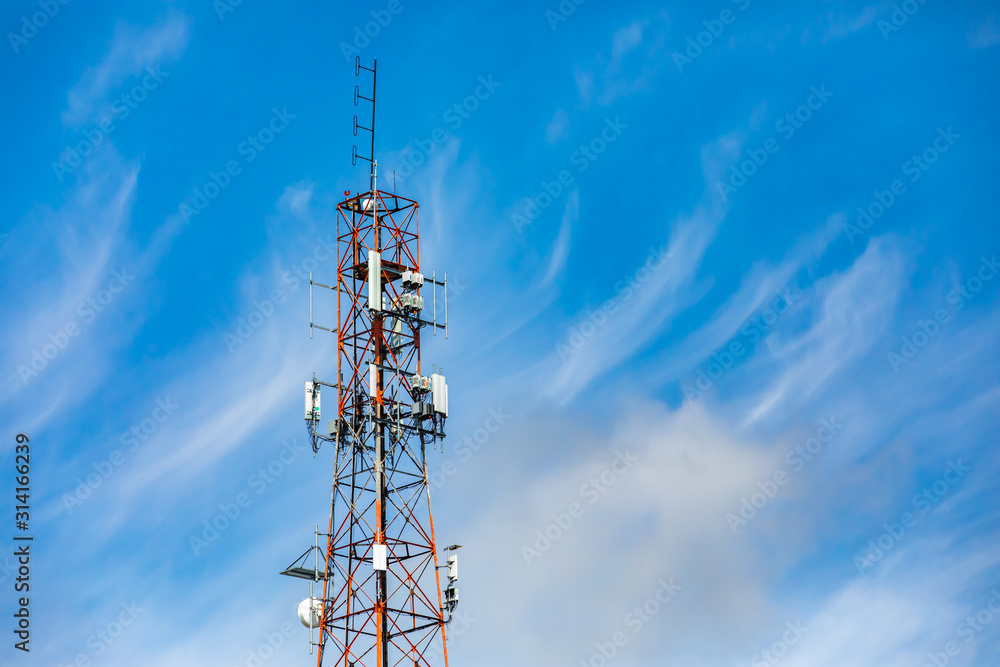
[[357, 97]]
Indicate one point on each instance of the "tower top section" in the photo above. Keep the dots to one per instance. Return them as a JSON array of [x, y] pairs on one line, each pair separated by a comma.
[[358, 97]]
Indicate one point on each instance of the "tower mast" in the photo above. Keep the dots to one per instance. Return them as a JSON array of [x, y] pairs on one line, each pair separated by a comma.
[[381, 602]]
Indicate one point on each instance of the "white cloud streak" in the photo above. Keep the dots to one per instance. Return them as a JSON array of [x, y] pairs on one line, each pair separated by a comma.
[[132, 50]]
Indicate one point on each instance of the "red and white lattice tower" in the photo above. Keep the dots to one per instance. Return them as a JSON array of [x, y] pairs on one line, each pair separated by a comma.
[[378, 600]]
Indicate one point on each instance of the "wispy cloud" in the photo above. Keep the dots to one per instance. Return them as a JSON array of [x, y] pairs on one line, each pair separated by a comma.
[[133, 49], [761, 285], [210, 430], [623, 41], [88, 237], [885, 620], [985, 33], [854, 308], [208, 426], [650, 306], [627, 70], [840, 24], [560, 249], [669, 290], [556, 129]]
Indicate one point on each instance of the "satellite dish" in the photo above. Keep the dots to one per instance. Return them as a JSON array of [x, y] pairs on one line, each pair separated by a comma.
[[311, 612]]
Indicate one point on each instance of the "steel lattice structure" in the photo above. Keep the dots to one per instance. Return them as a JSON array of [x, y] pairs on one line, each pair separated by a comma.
[[381, 603]]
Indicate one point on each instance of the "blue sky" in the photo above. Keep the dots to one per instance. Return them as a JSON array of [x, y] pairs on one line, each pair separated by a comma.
[[726, 271]]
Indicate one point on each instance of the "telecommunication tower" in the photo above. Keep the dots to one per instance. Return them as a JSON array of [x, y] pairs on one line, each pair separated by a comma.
[[377, 600]]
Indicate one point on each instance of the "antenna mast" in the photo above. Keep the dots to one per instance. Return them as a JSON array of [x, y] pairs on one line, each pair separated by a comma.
[[357, 98], [381, 603]]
